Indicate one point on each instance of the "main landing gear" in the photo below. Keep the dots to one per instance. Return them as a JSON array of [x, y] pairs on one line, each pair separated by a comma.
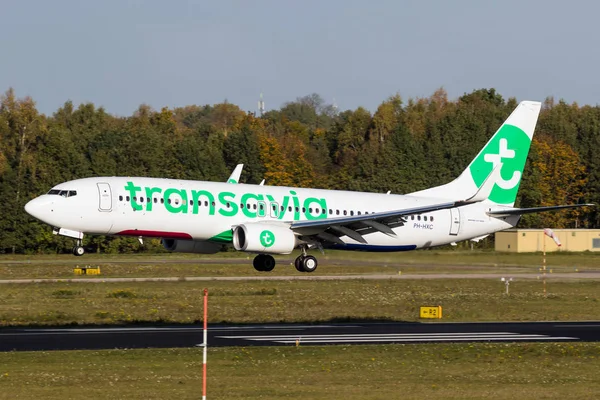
[[264, 263], [78, 249], [306, 263]]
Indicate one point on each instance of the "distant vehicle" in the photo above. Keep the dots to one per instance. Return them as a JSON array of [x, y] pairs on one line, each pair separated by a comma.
[[199, 217]]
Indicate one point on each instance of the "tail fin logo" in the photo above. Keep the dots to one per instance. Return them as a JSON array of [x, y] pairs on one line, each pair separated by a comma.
[[508, 148], [495, 159]]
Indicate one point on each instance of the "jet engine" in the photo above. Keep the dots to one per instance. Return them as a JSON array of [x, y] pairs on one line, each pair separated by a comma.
[[264, 238], [191, 246]]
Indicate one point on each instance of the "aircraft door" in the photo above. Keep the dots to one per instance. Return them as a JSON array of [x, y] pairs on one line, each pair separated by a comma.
[[454, 221], [105, 196], [274, 210], [261, 209]]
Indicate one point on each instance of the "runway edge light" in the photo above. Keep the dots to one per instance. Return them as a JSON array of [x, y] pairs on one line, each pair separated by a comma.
[[430, 312]]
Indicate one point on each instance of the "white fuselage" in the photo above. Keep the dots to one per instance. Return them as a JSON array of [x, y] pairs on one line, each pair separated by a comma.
[[179, 209]]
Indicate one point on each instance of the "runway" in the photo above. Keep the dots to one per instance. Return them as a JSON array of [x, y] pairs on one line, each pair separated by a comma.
[[36, 339], [495, 276]]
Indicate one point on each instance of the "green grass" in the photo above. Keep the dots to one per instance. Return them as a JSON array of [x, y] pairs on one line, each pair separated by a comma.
[[295, 301], [332, 263], [436, 371]]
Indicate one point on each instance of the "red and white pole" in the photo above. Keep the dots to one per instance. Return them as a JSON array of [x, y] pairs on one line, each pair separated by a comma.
[[205, 344]]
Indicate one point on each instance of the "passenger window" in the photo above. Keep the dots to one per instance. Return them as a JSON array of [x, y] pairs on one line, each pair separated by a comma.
[[254, 206], [282, 208], [351, 213], [330, 211], [212, 203], [425, 218], [241, 205], [191, 202], [261, 207], [337, 212], [431, 218], [323, 211], [345, 212], [162, 200], [418, 217], [310, 210], [290, 208], [141, 199], [155, 200], [412, 217], [297, 209], [120, 198], [127, 198], [359, 213], [228, 205], [205, 203]]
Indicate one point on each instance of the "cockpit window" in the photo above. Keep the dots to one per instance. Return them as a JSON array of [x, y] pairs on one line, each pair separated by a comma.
[[63, 193]]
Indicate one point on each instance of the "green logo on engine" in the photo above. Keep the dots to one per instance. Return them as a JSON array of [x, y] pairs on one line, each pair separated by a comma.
[[267, 239], [508, 148]]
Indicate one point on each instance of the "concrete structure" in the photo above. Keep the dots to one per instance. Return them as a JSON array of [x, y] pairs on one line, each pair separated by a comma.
[[531, 240]]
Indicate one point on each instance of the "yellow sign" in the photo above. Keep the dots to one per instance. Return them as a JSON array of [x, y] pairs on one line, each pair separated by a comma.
[[431, 312], [87, 270]]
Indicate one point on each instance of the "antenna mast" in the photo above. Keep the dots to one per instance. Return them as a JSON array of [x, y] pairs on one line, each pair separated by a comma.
[[261, 105]]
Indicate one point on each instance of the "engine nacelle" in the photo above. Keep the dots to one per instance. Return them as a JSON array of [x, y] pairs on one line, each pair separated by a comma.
[[264, 238], [191, 246]]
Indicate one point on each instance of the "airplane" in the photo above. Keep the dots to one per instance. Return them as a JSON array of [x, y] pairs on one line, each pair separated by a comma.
[[200, 217]]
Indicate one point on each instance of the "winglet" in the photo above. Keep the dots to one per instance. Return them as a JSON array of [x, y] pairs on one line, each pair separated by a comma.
[[235, 175]]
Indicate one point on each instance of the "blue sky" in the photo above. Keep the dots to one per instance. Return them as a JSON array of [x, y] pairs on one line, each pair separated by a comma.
[[119, 54]]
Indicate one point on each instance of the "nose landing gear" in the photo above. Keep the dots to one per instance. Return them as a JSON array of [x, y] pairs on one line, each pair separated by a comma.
[[78, 249]]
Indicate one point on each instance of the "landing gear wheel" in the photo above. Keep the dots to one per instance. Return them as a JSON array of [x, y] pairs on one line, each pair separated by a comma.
[[263, 263], [78, 251], [268, 263], [309, 264], [298, 263]]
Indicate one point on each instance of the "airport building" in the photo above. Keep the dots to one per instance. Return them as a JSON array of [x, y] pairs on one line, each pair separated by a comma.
[[531, 240]]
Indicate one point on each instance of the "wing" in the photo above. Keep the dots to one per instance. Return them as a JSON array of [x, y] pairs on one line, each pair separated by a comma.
[[331, 229], [520, 211]]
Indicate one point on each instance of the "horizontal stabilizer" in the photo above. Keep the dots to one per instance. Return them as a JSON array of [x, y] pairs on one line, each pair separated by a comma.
[[521, 211]]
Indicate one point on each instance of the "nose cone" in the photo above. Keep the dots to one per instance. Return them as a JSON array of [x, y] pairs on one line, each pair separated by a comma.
[[36, 207]]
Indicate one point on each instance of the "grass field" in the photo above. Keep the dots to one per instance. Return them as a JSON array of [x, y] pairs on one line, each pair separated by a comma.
[[295, 301], [436, 371], [332, 263]]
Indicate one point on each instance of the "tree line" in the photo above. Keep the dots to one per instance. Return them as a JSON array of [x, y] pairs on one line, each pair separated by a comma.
[[404, 146]]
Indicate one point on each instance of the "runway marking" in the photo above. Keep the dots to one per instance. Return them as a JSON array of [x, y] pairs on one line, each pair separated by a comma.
[[578, 326], [401, 337], [76, 331]]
